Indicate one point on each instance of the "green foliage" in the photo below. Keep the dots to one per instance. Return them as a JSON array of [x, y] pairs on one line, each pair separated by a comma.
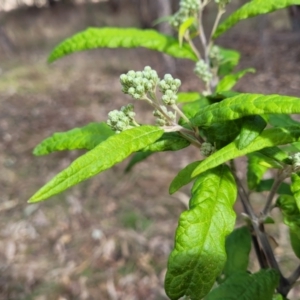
[[246, 105], [121, 38], [244, 286], [229, 81], [253, 9], [238, 246], [99, 159], [87, 137], [199, 253], [223, 125]]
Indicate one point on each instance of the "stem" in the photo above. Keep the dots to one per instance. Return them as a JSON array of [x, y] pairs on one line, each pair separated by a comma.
[[201, 31], [293, 278], [243, 195], [192, 45], [221, 11], [281, 175], [177, 109]]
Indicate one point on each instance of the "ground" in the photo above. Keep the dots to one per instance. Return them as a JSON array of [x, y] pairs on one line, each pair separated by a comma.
[[109, 237]]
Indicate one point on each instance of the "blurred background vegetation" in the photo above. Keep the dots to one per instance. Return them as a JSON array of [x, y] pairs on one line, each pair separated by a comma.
[[109, 237]]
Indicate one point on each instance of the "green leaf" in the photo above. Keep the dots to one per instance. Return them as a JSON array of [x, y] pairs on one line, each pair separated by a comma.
[[245, 286], [276, 154], [92, 38], [293, 147], [252, 126], [230, 58], [87, 137], [245, 105], [184, 27], [108, 153], [255, 170], [222, 133], [183, 177], [199, 253], [229, 81], [295, 188], [170, 141], [191, 109], [238, 247], [188, 97], [268, 138], [295, 242], [137, 157], [266, 185], [291, 217], [278, 120], [253, 9]]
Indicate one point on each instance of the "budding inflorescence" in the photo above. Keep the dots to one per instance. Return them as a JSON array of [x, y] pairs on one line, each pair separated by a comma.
[[120, 120], [169, 88], [207, 149], [222, 3], [296, 161], [202, 70], [215, 56], [163, 116], [187, 8], [138, 84]]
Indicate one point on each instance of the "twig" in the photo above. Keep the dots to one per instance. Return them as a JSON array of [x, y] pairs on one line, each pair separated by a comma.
[[281, 175], [221, 11], [293, 278]]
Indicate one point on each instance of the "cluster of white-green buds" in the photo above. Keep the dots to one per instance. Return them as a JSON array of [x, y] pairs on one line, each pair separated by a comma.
[[222, 3], [123, 119], [187, 8], [215, 56], [169, 87], [207, 149], [296, 161], [163, 116], [137, 84], [202, 70]]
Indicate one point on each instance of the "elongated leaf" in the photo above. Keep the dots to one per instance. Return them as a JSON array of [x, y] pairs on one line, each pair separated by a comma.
[[277, 154], [278, 120], [93, 38], [108, 153], [229, 81], [295, 188], [192, 108], [170, 141], [222, 133], [266, 185], [238, 247], [184, 27], [252, 126], [188, 97], [199, 253], [245, 286], [183, 177], [255, 170], [87, 137], [253, 9], [245, 105], [293, 147], [230, 58], [291, 217], [268, 138], [137, 157]]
